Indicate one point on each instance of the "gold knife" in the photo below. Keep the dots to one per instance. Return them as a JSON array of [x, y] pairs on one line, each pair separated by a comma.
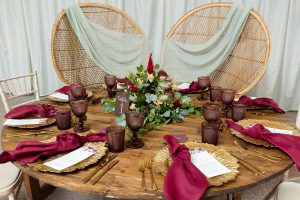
[[96, 178], [102, 164]]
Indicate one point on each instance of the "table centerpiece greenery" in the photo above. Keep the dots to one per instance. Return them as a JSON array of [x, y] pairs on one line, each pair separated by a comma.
[[152, 91]]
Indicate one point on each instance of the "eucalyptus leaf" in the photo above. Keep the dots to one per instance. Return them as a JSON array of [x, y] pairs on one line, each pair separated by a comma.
[[177, 95], [167, 113], [121, 120], [191, 110]]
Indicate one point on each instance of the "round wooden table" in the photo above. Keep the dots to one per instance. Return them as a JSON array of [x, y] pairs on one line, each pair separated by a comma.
[[124, 180]]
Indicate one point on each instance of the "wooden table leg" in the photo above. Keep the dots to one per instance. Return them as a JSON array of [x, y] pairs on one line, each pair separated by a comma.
[[237, 195], [33, 189]]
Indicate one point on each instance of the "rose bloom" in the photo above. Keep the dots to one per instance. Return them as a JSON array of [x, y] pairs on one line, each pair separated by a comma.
[[132, 106], [176, 104], [150, 77]]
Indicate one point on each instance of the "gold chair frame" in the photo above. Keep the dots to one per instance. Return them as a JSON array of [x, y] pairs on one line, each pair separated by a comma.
[[248, 61]]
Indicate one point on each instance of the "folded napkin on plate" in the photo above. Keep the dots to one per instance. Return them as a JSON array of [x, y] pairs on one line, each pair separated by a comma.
[[66, 89], [290, 144], [260, 102], [183, 179], [122, 80], [194, 86], [31, 151], [32, 110]]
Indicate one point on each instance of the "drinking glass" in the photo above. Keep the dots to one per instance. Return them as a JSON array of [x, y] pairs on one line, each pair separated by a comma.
[[135, 121]]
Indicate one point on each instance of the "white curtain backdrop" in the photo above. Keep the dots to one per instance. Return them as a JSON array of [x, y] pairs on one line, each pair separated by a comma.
[[25, 32]]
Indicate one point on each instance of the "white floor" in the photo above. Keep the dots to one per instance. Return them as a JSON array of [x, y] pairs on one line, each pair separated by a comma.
[[258, 192]]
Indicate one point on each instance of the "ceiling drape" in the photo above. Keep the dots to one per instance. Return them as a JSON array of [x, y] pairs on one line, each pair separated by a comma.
[[25, 34]]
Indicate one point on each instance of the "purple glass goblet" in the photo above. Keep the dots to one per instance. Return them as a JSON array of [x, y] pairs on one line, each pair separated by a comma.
[[115, 138], [110, 82], [77, 91], [215, 93], [209, 133], [135, 121], [203, 82], [63, 119], [227, 97], [238, 111], [79, 108], [211, 112]]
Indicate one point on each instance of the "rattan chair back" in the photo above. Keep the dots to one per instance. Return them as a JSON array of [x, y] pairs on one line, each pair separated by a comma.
[[247, 63], [71, 62]]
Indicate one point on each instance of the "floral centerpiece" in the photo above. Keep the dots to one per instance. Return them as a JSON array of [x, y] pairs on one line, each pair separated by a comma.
[[152, 91]]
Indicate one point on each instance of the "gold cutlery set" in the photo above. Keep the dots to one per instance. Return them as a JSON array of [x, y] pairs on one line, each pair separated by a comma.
[[246, 151], [143, 165], [97, 173]]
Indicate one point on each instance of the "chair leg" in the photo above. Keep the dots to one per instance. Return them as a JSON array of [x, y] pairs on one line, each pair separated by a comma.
[[11, 196]]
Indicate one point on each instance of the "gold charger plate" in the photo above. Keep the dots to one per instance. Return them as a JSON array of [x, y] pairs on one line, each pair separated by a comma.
[[89, 93], [49, 121], [162, 160], [101, 151], [265, 123]]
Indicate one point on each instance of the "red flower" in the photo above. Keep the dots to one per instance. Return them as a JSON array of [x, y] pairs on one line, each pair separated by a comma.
[[168, 90], [132, 86], [150, 65], [176, 104], [162, 73]]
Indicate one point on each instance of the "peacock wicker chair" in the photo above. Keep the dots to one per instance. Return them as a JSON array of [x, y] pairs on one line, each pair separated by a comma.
[[71, 62], [248, 61]]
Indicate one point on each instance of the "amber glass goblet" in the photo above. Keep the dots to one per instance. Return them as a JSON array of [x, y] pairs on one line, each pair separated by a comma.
[[227, 96], [203, 82], [110, 82], [77, 91], [79, 108], [135, 121]]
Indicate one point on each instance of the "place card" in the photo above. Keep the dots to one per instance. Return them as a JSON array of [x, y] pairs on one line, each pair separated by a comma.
[[59, 95], [22, 122], [183, 86], [207, 164], [276, 130], [122, 103], [71, 158]]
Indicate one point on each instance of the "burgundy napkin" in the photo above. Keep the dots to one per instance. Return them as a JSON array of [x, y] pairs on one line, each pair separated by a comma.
[[290, 144], [183, 179], [66, 89], [31, 151], [32, 110], [194, 86], [260, 102], [122, 80]]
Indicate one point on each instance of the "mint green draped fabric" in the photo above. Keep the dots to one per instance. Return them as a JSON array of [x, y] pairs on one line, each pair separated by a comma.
[[185, 62], [116, 53]]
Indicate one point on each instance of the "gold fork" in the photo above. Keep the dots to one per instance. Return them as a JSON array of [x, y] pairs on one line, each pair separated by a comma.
[[142, 169], [148, 164]]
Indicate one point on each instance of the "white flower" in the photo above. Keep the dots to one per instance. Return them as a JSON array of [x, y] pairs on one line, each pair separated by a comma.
[[157, 102], [163, 78], [163, 97], [132, 106], [150, 78], [140, 81]]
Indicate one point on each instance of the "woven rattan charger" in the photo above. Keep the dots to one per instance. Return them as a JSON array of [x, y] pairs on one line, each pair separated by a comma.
[[248, 61], [70, 61]]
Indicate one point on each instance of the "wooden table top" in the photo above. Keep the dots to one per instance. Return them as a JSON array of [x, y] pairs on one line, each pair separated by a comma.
[[124, 179]]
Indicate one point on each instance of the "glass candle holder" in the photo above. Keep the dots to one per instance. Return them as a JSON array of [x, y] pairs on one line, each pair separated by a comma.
[[215, 93], [63, 119], [115, 138], [209, 133], [238, 111]]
